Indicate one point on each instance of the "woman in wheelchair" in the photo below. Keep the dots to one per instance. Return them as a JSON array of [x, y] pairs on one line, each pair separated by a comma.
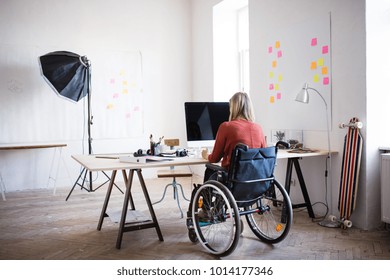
[[242, 185], [240, 129]]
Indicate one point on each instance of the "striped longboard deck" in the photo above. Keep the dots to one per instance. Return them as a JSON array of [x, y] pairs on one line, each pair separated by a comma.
[[349, 179]]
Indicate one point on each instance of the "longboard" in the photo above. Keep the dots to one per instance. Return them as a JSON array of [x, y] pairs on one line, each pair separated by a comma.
[[350, 168]]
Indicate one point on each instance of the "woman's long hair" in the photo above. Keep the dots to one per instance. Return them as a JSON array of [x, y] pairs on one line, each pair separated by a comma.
[[241, 107]]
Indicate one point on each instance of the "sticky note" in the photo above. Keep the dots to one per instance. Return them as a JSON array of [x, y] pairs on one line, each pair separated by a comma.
[[277, 44], [316, 79], [279, 54], [320, 62], [112, 81], [278, 95], [128, 115], [269, 49], [115, 95], [122, 72], [276, 86], [125, 91], [271, 86], [325, 49], [280, 78], [136, 108], [326, 81], [274, 64], [314, 42], [110, 106], [271, 74], [313, 65], [324, 70], [124, 83], [272, 99]]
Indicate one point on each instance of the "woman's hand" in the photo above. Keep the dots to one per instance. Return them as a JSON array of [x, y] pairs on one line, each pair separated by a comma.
[[205, 154]]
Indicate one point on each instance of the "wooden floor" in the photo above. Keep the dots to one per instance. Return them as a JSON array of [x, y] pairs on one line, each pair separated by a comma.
[[37, 225]]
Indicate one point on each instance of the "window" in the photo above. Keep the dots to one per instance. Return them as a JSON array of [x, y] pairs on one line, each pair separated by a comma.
[[231, 48]]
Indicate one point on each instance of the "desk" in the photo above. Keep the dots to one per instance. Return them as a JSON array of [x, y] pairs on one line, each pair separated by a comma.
[[293, 161], [4, 147], [92, 163]]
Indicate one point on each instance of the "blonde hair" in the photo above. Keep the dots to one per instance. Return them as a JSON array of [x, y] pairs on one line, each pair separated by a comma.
[[241, 107]]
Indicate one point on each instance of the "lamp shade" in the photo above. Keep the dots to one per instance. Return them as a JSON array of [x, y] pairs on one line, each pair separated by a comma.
[[303, 95], [66, 73]]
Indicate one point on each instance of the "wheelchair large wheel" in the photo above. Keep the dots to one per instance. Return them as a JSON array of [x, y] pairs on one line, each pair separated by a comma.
[[216, 218], [271, 215]]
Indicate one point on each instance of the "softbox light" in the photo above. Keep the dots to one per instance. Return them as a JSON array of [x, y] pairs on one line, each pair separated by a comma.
[[67, 73]]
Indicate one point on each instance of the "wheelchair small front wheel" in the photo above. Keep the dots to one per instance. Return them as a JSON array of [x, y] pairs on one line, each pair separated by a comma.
[[272, 218], [216, 218]]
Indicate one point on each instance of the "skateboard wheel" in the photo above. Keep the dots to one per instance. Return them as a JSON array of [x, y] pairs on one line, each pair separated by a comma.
[[347, 223], [332, 218]]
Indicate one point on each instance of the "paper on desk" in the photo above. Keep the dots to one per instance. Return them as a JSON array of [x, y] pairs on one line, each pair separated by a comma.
[[133, 216]]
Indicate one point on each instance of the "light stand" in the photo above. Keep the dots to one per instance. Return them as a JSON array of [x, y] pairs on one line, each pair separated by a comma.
[[303, 96], [69, 75]]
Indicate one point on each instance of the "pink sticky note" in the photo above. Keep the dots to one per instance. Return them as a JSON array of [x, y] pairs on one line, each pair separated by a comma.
[[314, 42], [128, 115], [269, 49], [279, 53], [112, 81], [271, 86], [326, 81], [115, 95], [278, 95], [325, 49]]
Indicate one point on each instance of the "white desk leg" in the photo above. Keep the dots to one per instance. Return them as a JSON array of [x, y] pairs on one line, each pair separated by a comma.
[[58, 168], [2, 186]]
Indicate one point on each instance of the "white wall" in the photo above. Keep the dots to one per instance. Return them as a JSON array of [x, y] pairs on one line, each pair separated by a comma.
[[160, 30], [349, 88]]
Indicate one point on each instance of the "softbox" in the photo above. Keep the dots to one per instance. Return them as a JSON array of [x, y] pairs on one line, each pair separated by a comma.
[[67, 73]]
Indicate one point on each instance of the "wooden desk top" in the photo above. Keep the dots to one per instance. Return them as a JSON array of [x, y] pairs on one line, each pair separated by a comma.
[[29, 146], [111, 162], [104, 163]]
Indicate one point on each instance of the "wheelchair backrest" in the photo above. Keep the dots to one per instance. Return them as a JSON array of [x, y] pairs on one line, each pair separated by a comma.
[[251, 172]]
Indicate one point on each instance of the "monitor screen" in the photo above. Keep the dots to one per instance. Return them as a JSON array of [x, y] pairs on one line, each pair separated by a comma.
[[203, 120]]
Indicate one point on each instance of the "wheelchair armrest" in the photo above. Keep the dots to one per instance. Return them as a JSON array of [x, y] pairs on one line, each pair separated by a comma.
[[215, 167]]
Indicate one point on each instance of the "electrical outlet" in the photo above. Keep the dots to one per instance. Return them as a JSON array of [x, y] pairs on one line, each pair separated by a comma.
[[292, 182]]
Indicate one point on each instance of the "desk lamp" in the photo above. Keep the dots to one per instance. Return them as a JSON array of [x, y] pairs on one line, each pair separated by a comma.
[[303, 96]]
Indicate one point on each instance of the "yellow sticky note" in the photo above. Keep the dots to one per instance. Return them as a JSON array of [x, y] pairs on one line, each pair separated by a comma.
[[277, 44], [280, 77], [320, 62], [276, 86], [124, 83], [316, 79], [271, 74], [313, 65], [274, 64], [324, 70], [272, 99]]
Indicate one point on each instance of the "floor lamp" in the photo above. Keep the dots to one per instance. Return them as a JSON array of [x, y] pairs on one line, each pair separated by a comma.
[[303, 96]]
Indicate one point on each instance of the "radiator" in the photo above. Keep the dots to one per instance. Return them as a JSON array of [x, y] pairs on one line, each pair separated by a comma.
[[385, 188]]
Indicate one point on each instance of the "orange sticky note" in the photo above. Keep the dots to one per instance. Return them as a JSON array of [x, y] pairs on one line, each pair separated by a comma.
[[313, 65], [277, 44], [324, 70], [272, 99], [274, 64], [125, 91]]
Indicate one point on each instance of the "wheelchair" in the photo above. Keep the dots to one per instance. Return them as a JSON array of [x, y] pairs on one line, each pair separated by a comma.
[[248, 189]]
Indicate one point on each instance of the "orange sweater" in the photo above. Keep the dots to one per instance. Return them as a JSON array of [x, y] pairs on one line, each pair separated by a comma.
[[232, 133]]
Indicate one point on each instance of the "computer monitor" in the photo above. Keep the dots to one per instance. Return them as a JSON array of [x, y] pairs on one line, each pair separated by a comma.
[[203, 120]]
